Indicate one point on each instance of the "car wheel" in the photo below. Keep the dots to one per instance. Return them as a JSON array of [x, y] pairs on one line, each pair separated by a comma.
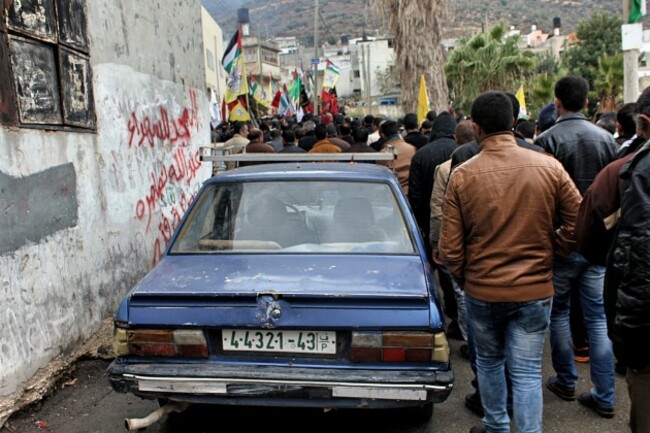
[[420, 414]]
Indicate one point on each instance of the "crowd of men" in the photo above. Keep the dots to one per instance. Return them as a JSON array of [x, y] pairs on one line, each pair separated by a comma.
[[532, 226]]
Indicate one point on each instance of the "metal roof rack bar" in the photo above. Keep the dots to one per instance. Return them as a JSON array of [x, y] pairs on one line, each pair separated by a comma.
[[211, 154]]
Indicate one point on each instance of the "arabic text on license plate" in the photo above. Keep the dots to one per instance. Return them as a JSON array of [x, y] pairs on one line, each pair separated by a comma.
[[279, 341]]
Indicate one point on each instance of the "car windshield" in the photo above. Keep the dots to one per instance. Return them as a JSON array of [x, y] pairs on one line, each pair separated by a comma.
[[295, 217]]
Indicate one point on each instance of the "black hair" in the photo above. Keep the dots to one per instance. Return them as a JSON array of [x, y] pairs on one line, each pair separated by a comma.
[[526, 128], [320, 132], [426, 124], [369, 119], [411, 121], [607, 121], [389, 128], [431, 116], [360, 135], [345, 128], [643, 103], [288, 136], [572, 92], [625, 118], [492, 111], [515, 105], [237, 127]]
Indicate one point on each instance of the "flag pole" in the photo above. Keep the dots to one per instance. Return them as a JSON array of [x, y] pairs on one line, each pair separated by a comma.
[[248, 104], [316, 55]]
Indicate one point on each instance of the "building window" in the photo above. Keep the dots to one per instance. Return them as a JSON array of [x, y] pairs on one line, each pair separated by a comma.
[[44, 50], [210, 58]]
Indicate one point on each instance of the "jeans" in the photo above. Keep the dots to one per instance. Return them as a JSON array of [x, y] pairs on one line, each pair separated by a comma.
[[576, 273], [512, 333]]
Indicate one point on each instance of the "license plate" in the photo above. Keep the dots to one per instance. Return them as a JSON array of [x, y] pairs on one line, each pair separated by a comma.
[[241, 340]]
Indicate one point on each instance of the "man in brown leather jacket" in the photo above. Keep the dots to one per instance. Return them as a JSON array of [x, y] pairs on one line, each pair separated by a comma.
[[498, 239]]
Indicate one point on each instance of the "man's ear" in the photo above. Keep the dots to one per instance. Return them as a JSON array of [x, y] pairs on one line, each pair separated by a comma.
[[558, 103], [478, 132], [586, 103]]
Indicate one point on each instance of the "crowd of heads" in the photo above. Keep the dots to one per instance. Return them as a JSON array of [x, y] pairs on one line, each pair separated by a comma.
[[491, 112]]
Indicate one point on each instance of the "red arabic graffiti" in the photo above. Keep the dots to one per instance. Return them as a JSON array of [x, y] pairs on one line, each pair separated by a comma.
[[166, 227], [183, 167], [149, 128]]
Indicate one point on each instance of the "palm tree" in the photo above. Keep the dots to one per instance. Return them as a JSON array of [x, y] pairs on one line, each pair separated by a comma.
[[416, 26], [608, 81], [487, 61]]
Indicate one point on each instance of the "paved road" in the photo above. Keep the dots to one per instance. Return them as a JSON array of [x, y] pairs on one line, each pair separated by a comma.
[[90, 406]]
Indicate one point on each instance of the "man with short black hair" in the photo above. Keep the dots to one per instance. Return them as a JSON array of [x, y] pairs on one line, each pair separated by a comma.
[[583, 149], [401, 166], [290, 145], [413, 135], [323, 145], [498, 239], [360, 136], [626, 126]]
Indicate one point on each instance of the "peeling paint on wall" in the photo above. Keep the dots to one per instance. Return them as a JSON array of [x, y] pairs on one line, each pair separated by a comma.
[[36, 206]]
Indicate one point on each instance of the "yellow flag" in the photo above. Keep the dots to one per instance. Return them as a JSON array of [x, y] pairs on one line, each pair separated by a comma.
[[523, 114], [236, 82], [423, 101], [238, 112]]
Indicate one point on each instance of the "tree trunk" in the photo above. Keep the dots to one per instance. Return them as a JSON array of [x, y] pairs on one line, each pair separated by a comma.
[[416, 26]]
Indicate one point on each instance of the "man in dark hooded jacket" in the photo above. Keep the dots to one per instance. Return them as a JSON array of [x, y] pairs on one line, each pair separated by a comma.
[[423, 167]]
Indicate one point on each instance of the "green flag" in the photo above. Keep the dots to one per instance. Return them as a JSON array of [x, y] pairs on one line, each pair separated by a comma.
[[637, 11]]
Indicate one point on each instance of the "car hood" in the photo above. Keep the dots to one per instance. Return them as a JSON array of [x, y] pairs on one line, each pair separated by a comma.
[[287, 275]]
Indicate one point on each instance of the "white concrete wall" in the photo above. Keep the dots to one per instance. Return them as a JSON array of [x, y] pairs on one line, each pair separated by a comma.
[[215, 78], [131, 188]]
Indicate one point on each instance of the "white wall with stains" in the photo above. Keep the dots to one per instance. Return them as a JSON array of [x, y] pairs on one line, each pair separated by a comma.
[[131, 182]]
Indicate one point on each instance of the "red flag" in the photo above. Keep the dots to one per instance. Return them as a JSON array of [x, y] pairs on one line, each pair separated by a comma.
[[224, 114], [276, 99]]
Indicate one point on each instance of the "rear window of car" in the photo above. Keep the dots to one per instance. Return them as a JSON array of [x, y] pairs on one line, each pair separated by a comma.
[[295, 217]]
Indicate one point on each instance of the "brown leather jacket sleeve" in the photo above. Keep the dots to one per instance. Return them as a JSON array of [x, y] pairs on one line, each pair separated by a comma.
[[452, 238], [567, 212]]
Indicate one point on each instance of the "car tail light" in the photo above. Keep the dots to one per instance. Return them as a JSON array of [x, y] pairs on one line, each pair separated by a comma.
[[160, 342], [416, 347]]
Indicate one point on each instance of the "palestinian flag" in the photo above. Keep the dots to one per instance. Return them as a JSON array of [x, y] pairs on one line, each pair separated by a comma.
[[331, 75], [234, 64], [233, 51]]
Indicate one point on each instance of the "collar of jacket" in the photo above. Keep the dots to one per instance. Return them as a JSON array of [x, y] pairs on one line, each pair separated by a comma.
[[571, 116], [393, 138], [497, 139]]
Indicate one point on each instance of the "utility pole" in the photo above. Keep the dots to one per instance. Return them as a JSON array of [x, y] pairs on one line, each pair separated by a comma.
[[369, 78], [632, 35], [316, 55]]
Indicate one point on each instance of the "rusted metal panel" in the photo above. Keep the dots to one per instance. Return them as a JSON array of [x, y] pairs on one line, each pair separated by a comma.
[[76, 82], [35, 18], [36, 83], [7, 98], [71, 16]]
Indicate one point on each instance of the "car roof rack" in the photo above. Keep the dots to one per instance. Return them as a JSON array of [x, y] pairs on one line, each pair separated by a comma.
[[221, 155]]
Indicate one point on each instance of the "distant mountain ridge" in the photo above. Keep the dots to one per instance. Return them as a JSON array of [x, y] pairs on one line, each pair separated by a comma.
[[353, 17]]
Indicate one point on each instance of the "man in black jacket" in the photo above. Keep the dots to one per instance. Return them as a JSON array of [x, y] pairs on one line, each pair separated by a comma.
[[627, 298], [583, 149], [423, 167]]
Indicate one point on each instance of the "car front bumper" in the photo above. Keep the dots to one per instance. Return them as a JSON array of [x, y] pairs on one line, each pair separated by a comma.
[[281, 386]]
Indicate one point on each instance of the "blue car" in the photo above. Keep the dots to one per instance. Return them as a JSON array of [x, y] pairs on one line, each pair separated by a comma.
[[294, 284]]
